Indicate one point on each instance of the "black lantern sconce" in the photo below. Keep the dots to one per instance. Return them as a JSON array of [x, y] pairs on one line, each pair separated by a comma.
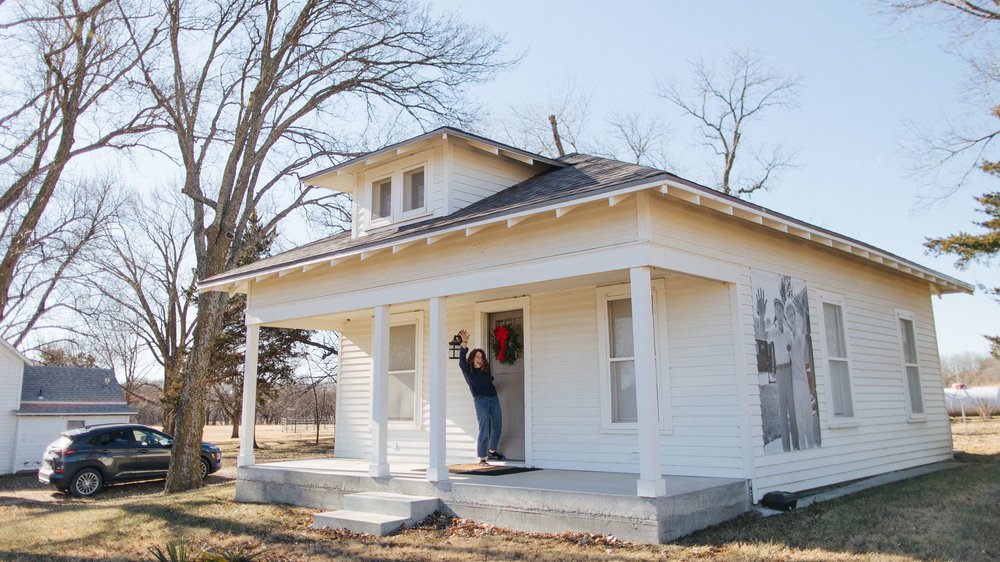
[[455, 347]]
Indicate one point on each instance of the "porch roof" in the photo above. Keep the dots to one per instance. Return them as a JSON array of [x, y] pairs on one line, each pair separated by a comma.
[[584, 179]]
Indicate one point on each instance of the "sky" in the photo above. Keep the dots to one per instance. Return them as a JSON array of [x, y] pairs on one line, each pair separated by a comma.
[[867, 81]]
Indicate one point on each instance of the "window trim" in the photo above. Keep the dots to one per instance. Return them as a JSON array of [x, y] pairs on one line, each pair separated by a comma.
[[622, 291], [902, 314], [396, 177], [372, 197], [402, 319], [418, 211], [833, 420]]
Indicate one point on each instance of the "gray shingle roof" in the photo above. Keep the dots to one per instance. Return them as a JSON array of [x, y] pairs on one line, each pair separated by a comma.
[[584, 175], [70, 384], [37, 408]]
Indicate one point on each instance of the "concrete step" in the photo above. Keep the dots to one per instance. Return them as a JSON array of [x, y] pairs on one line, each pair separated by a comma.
[[413, 508], [358, 521]]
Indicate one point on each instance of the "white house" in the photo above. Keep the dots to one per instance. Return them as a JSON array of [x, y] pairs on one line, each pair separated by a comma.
[[37, 403], [662, 331]]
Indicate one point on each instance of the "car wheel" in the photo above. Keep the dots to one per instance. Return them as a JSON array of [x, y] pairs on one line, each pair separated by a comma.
[[86, 483], [204, 469]]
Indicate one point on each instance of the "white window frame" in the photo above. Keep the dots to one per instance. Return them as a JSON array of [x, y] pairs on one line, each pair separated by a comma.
[[403, 319], [418, 211], [396, 177], [623, 291], [910, 414], [833, 420], [373, 197]]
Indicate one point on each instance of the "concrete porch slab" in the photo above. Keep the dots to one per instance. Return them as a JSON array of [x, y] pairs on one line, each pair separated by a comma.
[[546, 500]]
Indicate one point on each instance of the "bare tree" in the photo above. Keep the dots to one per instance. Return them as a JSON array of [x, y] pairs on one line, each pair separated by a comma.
[[43, 285], [262, 89], [643, 138], [144, 285], [117, 345], [65, 62], [527, 123], [724, 103]]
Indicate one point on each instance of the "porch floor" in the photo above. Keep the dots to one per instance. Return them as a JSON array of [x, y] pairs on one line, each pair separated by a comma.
[[548, 500]]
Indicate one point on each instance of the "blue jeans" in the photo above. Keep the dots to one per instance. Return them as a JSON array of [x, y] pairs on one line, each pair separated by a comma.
[[490, 421]]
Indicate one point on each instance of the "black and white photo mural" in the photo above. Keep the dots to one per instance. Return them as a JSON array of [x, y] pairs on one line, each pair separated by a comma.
[[785, 371]]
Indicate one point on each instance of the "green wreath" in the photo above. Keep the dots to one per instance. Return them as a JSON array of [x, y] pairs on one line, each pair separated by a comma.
[[505, 343]]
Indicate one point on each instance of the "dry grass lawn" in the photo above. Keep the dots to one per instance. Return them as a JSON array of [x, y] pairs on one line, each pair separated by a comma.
[[949, 515]]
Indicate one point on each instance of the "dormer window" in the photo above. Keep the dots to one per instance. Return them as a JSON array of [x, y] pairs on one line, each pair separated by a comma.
[[413, 190], [382, 199], [400, 196]]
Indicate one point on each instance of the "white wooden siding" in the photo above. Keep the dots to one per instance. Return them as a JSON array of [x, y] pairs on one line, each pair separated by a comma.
[[35, 433], [883, 440], [11, 371], [477, 175], [708, 350], [405, 444]]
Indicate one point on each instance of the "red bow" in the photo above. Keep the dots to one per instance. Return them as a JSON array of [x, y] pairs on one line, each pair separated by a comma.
[[500, 333]]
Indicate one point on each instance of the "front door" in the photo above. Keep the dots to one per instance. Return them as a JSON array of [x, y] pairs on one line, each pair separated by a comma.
[[509, 380]]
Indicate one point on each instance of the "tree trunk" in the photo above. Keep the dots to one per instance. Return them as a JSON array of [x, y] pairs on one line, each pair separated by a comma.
[[185, 467], [235, 419]]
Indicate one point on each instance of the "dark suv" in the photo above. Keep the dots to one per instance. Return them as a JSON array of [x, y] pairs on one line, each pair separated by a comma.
[[82, 460]]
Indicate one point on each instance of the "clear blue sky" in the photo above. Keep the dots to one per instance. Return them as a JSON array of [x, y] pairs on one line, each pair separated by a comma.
[[864, 75]]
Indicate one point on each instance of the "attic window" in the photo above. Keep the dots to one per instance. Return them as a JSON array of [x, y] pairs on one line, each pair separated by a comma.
[[382, 198], [413, 190]]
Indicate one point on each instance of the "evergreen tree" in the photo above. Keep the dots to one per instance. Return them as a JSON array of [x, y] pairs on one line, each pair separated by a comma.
[[977, 247], [278, 350]]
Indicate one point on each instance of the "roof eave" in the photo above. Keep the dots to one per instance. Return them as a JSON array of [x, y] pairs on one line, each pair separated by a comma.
[[666, 184]]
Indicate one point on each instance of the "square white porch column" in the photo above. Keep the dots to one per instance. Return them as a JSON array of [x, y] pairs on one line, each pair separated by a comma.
[[651, 483], [379, 467], [437, 468], [249, 397]]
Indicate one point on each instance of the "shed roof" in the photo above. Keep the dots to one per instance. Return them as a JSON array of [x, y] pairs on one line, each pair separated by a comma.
[[582, 177], [47, 409], [70, 384]]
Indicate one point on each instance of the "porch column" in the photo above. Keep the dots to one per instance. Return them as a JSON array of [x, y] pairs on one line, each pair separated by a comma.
[[249, 396], [437, 468], [651, 483], [379, 467]]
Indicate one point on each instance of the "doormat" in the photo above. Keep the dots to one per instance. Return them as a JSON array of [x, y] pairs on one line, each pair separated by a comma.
[[492, 470]]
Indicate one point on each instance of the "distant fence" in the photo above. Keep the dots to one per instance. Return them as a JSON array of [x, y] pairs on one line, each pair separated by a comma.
[[296, 425]]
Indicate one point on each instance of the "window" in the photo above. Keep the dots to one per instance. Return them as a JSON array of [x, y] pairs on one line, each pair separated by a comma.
[[621, 357], [148, 438], [911, 369], [382, 199], [836, 354], [618, 383], [399, 196], [413, 190], [404, 364]]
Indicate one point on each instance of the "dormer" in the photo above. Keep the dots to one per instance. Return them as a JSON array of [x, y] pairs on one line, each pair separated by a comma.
[[432, 175]]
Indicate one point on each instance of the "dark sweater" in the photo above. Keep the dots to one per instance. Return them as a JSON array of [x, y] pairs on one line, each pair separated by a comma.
[[480, 382]]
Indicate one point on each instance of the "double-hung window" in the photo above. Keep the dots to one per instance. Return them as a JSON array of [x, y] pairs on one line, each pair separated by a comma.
[[619, 403], [837, 360], [401, 195], [911, 367], [404, 370]]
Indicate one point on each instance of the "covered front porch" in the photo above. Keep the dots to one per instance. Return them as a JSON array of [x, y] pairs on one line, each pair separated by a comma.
[[547, 500]]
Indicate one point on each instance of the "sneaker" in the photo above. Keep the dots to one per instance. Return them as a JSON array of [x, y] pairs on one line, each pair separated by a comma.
[[496, 456], [482, 462]]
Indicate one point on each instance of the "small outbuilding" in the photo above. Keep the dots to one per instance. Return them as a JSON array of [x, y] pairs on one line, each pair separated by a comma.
[[664, 353], [38, 402]]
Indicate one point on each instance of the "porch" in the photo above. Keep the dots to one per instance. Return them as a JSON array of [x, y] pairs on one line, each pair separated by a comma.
[[547, 500]]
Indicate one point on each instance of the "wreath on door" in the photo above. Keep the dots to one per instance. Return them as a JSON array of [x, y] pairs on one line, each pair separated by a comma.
[[505, 343]]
